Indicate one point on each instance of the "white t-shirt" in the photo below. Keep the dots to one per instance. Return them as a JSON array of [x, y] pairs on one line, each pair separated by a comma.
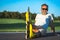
[[43, 20]]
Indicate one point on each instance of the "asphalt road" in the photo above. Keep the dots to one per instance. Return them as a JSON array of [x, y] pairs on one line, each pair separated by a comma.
[[20, 36], [11, 36]]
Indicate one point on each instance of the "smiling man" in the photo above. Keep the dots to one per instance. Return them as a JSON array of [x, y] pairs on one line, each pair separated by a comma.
[[42, 21]]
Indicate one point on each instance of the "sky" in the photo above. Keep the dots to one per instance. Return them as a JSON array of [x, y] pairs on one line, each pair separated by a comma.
[[35, 6]]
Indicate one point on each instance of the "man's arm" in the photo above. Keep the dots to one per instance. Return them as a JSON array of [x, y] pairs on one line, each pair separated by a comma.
[[52, 26]]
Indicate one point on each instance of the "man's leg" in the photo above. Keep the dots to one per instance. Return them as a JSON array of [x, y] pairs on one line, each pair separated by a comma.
[[36, 31], [42, 31]]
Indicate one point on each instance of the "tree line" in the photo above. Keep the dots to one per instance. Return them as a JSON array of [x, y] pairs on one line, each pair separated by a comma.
[[15, 15], [18, 15]]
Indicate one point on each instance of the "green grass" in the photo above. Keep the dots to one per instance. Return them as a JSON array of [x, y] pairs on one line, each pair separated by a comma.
[[12, 25], [56, 28], [10, 21], [12, 30], [19, 25]]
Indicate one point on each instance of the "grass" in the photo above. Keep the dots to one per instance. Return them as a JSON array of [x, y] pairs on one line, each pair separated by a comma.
[[11, 21], [19, 25], [56, 28], [12, 25], [12, 30]]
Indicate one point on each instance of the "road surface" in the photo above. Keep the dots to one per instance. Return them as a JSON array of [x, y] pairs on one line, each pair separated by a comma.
[[21, 36]]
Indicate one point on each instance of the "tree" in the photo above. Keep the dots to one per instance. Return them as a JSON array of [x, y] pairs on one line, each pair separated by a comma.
[[59, 18]]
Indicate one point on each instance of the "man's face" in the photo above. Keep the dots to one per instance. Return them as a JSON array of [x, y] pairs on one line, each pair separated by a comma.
[[44, 10]]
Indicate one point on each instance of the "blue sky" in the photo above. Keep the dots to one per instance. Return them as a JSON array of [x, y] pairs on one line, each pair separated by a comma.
[[22, 6]]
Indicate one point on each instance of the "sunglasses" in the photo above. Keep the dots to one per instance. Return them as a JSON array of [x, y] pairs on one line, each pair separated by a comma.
[[44, 9]]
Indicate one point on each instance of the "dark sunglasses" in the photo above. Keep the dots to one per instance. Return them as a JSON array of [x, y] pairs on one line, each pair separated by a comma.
[[44, 9]]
